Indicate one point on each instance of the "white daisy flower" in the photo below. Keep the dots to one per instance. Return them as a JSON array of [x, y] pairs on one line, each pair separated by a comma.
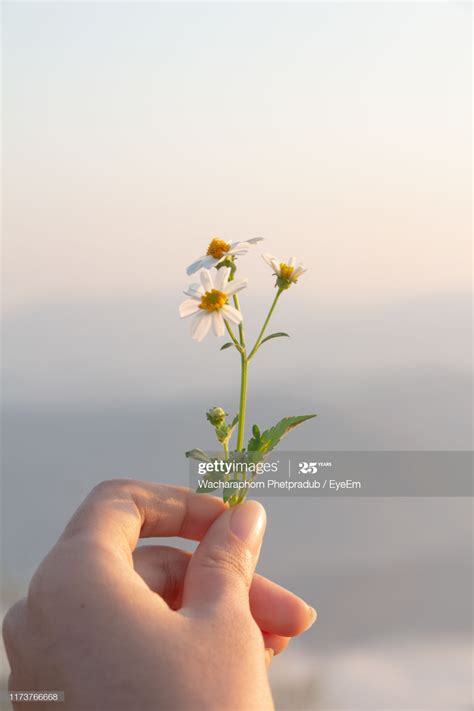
[[219, 250], [209, 303], [287, 273]]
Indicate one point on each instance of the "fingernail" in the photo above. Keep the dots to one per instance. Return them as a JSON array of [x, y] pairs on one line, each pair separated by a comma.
[[248, 523], [313, 615]]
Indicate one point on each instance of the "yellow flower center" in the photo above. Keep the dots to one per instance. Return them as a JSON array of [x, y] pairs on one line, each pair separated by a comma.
[[213, 300], [286, 271], [217, 248]]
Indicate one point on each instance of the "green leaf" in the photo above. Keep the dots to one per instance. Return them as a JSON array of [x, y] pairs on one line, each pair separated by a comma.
[[274, 335], [231, 495], [228, 496], [213, 476], [235, 420], [269, 439], [229, 344], [254, 442], [198, 454]]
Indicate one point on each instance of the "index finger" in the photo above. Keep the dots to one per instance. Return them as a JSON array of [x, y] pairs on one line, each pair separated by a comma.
[[118, 512]]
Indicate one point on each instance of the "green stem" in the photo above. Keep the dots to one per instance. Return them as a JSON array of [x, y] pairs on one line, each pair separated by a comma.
[[267, 320], [225, 446], [231, 334], [241, 325], [243, 401], [240, 345]]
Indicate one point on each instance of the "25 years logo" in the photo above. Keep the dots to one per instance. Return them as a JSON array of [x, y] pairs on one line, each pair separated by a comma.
[[308, 468]]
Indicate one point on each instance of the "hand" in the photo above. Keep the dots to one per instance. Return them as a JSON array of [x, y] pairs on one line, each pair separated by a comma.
[[116, 627]]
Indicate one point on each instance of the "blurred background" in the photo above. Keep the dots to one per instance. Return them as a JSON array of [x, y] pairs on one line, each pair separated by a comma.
[[339, 132]]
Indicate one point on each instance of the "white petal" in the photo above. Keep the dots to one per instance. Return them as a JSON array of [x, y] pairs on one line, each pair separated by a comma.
[[231, 314], [205, 262], [195, 291], [238, 251], [195, 266], [276, 266], [298, 271], [221, 278], [206, 281], [188, 307], [218, 323], [246, 244], [209, 261], [234, 286], [201, 325], [268, 258], [291, 261]]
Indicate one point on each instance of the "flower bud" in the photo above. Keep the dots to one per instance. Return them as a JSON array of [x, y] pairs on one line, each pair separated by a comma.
[[216, 416]]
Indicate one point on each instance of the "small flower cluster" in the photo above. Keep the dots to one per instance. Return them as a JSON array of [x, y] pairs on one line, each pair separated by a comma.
[[209, 302]]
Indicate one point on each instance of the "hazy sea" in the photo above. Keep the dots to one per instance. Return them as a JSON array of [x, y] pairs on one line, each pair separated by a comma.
[[100, 390]]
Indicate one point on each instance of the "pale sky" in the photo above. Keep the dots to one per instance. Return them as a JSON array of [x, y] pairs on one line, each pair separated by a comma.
[[133, 133]]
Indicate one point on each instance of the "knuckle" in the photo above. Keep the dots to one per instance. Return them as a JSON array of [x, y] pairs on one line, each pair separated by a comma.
[[234, 563], [110, 489], [110, 486]]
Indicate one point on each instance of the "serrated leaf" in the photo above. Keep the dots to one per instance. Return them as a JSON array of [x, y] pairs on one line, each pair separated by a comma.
[[275, 335], [229, 344], [270, 438], [198, 454], [254, 441], [213, 476]]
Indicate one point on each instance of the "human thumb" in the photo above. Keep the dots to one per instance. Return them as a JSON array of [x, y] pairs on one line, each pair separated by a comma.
[[223, 564]]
